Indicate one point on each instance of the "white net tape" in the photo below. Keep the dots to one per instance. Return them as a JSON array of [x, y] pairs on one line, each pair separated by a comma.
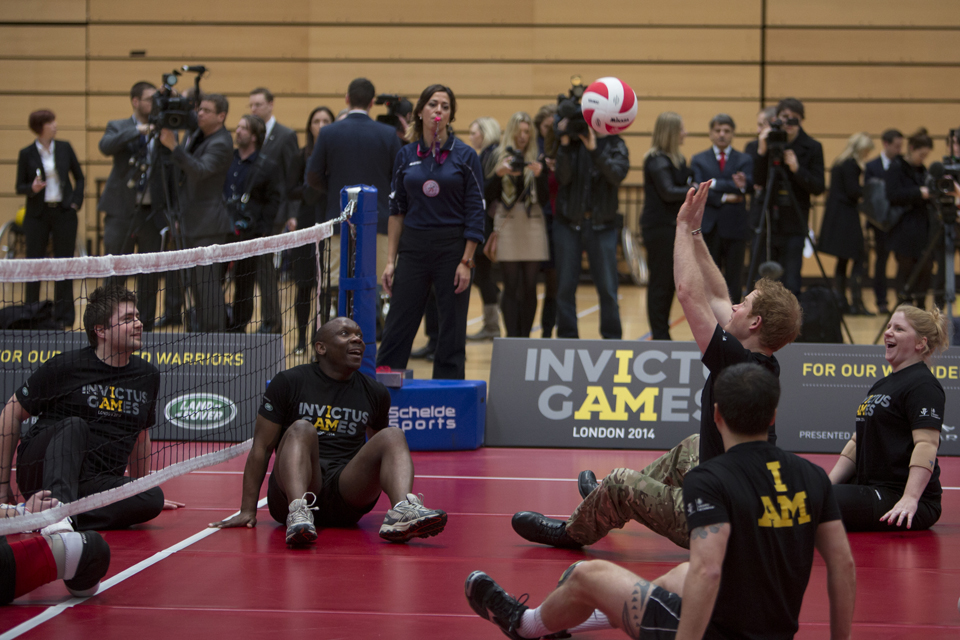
[[106, 266]]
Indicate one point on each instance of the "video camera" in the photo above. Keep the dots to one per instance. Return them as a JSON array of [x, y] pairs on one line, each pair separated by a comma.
[[568, 106], [777, 138], [171, 110], [396, 107]]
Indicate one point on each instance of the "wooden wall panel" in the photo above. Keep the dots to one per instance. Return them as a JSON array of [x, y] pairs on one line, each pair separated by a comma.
[[117, 76], [863, 45], [43, 42], [735, 12], [874, 82], [14, 110], [43, 11], [194, 43], [186, 11], [862, 13], [12, 140], [846, 118], [43, 76]]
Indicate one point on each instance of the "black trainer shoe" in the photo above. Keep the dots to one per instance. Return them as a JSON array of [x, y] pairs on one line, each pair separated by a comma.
[[537, 527], [492, 603], [93, 565], [586, 483]]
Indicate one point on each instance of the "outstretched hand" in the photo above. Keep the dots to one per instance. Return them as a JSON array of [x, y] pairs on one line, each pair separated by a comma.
[[905, 509], [242, 519], [691, 213]]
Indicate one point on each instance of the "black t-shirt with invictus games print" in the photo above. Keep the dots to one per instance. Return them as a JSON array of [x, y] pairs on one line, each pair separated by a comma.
[[117, 403], [340, 411], [774, 502], [723, 351], [909, 399]]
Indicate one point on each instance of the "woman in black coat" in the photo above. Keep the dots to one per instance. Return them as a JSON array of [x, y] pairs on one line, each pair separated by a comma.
[[841, 233], [43, 175], [906, 187], [666, 179]]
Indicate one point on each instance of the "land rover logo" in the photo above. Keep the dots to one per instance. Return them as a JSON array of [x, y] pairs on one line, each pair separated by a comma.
[[200, 411]]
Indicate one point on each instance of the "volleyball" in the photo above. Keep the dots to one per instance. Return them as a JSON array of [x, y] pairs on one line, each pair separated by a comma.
[[609, 105]]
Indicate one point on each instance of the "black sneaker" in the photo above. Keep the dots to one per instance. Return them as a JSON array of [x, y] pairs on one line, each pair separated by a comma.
[[93, 565], [492, 603], [537, 527], [586, 483]]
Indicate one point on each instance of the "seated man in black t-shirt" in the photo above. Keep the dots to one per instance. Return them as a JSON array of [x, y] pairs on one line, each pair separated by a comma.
[[328, 424], [755, 515], [768, 319], [94, 408]]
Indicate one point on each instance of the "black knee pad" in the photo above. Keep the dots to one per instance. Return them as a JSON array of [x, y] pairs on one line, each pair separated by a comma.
[[93, 565]]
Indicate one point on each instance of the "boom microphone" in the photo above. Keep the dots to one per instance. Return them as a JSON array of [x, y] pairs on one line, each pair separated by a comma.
[[197, 68]]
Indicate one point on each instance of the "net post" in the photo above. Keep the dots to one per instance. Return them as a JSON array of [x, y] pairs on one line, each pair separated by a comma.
[[358, 269]]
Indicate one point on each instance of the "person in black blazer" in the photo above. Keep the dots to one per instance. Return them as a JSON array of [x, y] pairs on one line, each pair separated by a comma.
[[311, 206], [841, 233], [130, 219], [43, 175], [666, 180], [892, 141], [725, 223], [203, 159], [280, 144], [803, 163], [906, 186], [356, 150]]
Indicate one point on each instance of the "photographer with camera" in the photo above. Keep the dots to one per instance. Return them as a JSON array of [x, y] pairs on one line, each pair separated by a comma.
[[252, 193], [519, 238], [907, 183], [203, 159], [590, 168], [127, 200], [785, 144]]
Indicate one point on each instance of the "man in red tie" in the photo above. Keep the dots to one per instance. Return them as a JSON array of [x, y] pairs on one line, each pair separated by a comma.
[[725, 222]]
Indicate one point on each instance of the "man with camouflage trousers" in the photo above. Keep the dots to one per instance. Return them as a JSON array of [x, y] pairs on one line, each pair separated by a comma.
[[768, 319]]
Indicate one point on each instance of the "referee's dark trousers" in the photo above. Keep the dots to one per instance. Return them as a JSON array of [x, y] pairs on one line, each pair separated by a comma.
[[425, 258]]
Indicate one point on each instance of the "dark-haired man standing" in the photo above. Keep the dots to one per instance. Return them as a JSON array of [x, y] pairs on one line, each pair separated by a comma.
[[336, 452], [755, 515], [203, 160], [94, 408], [280, 145], [356, 150], [130, 220], [892, 141]]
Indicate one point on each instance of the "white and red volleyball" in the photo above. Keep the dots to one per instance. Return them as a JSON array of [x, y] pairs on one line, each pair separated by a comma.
[[609, 105]]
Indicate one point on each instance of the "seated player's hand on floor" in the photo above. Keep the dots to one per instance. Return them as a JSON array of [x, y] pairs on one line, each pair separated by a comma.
[[169, 505], [242, 519]]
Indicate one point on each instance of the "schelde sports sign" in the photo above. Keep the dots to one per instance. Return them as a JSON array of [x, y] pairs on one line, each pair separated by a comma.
[[646, 395], [210, 384]]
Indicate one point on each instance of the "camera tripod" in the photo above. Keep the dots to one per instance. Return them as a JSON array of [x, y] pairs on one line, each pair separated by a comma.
[[778, 176], [946, 222]]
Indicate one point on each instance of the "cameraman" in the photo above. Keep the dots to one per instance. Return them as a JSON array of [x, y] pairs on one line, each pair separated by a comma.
[[803, 164], [129, 218], [203, 160], [252, 193], [590, 168]]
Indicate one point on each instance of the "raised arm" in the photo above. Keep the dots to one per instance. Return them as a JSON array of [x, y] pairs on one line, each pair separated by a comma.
[[831, 541], [696, 276], [11, 417], [266, 437], [708, 546]]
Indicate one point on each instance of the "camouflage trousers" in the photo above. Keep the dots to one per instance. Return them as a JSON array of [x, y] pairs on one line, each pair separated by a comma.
[[652, 497]]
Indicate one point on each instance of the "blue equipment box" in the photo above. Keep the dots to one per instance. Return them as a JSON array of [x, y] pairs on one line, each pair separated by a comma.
[[440, 415]]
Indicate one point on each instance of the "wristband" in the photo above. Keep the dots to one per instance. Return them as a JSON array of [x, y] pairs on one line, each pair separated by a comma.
[[697, 231]]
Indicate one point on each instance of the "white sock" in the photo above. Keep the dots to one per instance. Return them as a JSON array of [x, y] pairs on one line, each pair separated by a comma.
[[531, 625], [595, 622], [73, 545]]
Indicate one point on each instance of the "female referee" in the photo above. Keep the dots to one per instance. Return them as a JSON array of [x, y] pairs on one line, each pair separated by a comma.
[[436, 223], [891, 461]]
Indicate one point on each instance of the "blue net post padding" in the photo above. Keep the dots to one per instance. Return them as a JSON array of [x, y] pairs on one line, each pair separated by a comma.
[[358, 291]]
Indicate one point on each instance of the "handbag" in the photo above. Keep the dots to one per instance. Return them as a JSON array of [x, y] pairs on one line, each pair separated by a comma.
[[877, 207]]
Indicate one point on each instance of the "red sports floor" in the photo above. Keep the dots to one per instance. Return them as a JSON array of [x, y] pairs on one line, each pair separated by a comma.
[[248, 584]]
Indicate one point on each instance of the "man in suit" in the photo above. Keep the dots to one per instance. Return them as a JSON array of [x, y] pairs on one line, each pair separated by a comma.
[[356, 150], [127, 200], [803, 164], [280, 145], [877, 168], [725, 227], [255, 175], [203, 160]]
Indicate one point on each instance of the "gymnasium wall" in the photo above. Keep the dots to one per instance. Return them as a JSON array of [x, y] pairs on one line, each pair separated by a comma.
[[857, 64]]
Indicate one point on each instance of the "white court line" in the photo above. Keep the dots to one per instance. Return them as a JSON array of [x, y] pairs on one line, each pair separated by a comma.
[[54, 611]]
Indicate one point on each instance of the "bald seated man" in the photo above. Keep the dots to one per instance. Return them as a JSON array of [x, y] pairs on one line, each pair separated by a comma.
[[328, 425]]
